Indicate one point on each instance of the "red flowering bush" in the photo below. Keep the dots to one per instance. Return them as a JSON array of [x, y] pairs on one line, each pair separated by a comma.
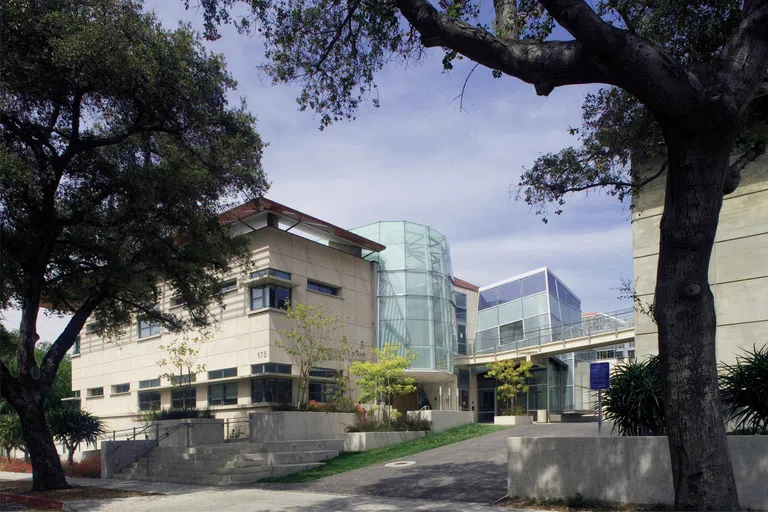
[[15, 465], [86, 468], [314, 405]]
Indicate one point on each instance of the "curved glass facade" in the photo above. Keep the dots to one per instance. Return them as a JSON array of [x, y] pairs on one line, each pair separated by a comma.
[[415, 291]]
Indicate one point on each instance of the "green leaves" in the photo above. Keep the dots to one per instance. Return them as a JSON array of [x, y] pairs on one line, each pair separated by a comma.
[[512, 377], [385, 378], [635, 400], [744, 391]]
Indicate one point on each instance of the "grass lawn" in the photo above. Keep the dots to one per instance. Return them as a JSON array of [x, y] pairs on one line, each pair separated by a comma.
[[356, 460]]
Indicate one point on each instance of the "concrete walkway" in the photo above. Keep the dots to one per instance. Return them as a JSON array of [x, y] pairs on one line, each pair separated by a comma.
[[470, 471], [191, 498]]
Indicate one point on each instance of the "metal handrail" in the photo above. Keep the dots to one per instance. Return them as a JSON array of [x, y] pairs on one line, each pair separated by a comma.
[[156, 442], [114, 434], [599, 323]]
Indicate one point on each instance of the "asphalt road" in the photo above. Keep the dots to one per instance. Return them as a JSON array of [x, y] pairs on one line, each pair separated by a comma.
[[470, 471]]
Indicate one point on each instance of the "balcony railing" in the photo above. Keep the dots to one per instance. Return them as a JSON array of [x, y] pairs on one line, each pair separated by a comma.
[[598, 323]]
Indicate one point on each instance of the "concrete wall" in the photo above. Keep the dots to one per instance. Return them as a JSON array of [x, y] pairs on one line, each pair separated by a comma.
[[364, 441], [622, 469], [244, 337], [195, 432], [738, 270], [297, 425], [115, 455], [443, 420]]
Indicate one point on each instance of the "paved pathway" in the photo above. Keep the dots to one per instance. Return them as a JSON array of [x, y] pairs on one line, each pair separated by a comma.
[[470, 471], [192, 498]]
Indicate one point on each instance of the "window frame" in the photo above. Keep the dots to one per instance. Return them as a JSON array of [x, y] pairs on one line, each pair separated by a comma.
[[325, 289], [325, 389], [185, 398], [150, 383], [269, 297], [90, 393], [270, 272], [116, 388], [150, 401], [151, 325], [279, 368], [225, 386], [278, 396], [230, 373]]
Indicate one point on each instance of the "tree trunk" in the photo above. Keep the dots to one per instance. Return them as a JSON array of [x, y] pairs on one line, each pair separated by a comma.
[[71, 454], [685, 313], [47, 472]]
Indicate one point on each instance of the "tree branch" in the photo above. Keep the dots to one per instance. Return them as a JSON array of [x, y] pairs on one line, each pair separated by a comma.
[[745, 55], [733, 175], [9, 385], [350, 12], [464, 87], [617, 183], [66, 339], [641, 67], [546, 65]]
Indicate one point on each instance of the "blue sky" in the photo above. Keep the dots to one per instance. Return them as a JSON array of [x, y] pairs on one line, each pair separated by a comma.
[[419, 158]]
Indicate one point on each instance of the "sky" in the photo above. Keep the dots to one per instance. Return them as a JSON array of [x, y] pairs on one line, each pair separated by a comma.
[[419, 158]]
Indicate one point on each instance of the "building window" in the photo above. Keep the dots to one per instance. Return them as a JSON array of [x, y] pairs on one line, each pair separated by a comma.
[[271, 296], [90, 328], [511, 333], [222, 374], [270, 368], [322, 288], [271, 272], [149, 401], [462, 338], [322, 391], [148, 328], [271, 390], [150, 383], [222, 394], [180, 380], [95, 392], [184, 398], [228, 286], [327, 373], [76, 346], [177, 301], [121, 388]]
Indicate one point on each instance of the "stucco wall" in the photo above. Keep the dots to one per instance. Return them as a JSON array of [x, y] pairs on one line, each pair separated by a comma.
[[738, 270], [622, 469], [244, 337], [297, 426]]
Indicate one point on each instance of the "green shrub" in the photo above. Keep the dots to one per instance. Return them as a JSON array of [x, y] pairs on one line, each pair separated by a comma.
[[744, 392], [515, 410], [177, 414], [635, 401], [401, 424]]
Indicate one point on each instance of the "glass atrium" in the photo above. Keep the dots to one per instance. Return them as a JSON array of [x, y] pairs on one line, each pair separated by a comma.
[[415, 292]]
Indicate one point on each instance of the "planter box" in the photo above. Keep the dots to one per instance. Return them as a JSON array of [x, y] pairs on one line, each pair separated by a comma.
[[512, 420], [364, 441], [298, 425], [197, 431], [443, 420], [622, 469]]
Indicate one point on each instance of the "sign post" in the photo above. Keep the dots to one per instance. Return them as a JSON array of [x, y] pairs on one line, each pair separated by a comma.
[[599, 379]]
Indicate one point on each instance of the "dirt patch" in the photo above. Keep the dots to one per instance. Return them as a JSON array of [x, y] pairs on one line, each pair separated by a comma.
[[74, 493]]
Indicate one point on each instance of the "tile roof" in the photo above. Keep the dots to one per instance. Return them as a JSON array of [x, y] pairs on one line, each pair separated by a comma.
[[464, 284]]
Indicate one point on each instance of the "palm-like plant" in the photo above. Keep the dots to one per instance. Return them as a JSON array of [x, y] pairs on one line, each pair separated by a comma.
[[635, 400], [72, 427], [11, 433], [744, 391]]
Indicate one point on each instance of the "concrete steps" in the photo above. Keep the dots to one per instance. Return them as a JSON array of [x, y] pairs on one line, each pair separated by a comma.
[[231, 464]]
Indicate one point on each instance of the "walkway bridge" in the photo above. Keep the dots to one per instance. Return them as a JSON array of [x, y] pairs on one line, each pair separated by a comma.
[[594, 331]]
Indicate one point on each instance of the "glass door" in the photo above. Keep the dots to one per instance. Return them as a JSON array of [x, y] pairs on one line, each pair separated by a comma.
[[486, 399]]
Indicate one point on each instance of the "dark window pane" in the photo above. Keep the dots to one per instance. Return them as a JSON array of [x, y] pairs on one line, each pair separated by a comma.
[[76, 346], [222, 394], [552, 284], [228, 286], [463, 378], [323, 372], [271, 272], [257, 391], [460, 299], [279, 297], [488, 298], [222, 374], [122, 388], [533, 284], [509, 292], [185, 398], [322, 288], [511, 332], [461, 315], [151, 383], [149, 401]]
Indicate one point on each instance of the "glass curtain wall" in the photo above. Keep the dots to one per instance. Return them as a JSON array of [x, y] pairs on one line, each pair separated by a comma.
[[415, 296]]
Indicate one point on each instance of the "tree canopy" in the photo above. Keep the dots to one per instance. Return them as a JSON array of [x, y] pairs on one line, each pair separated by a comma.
[[118, 152]]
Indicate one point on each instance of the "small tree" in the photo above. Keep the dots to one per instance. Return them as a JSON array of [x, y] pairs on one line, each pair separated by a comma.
[[383, 380], [11, 433], [309, 341], [512, 377], [74, 426], [345, 355], [181, 361]]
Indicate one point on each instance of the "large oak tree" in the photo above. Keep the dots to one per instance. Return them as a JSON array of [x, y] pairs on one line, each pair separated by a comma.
[[118, 151], [682, 78]]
